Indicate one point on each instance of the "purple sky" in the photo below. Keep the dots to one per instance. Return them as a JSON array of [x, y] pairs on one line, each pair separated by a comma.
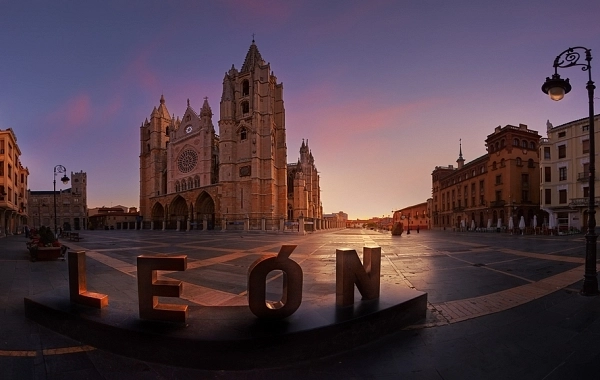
[[382, 89]]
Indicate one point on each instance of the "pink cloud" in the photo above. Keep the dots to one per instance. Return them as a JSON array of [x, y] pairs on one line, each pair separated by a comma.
[[74, 113]]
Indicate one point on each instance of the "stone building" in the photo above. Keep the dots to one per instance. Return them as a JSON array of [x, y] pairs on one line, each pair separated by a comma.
[[564, 165], [192, 177], [113, 218], [413, 217], [71, 205], [13, 185], [489, 190]]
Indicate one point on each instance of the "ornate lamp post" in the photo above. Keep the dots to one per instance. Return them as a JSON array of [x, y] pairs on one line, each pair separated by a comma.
[[65, 180], [557, 87]]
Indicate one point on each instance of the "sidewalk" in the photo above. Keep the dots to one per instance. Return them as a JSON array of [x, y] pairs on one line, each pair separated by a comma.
[[499, 306]]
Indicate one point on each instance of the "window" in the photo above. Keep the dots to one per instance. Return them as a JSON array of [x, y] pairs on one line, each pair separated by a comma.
[[530, 163], [547, 174], [494, 165], [562, 173], [498, 195], [245, 108], [546, 153], [1, 168], [516, 142], [562, 196], [586, 192], [547, 196], [585, 128], [498, 179], [585, 144], [532, 145], [525, 196], [245, 88], [243, 134], [524, 144], [525, 180], [519, 162], [562, 134], [562, 151], [502, 163]]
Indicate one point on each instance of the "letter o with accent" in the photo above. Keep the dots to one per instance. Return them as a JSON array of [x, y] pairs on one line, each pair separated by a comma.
[[292, 287]]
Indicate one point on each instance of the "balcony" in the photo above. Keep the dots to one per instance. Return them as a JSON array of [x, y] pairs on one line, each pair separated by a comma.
[[497, 203], [584, 177], [583, 202]]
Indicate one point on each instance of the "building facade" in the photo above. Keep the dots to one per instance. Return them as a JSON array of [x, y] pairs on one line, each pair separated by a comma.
[[71, 206], [413, 217], [564, 171], [113, 218], [192, 177], [492, 189], [14, 205]]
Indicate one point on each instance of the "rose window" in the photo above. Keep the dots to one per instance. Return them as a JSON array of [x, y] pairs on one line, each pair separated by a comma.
[[187, 161]]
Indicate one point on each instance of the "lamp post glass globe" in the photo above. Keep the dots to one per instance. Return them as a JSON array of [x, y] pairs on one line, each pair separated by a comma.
[[556, 87]]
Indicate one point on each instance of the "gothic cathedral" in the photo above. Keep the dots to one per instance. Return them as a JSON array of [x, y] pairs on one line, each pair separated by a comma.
[[193, 178]]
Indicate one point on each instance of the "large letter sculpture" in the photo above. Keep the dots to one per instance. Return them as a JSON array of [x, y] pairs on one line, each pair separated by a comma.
[[350, 271], [292, 285], [78, 283], [149, 288]]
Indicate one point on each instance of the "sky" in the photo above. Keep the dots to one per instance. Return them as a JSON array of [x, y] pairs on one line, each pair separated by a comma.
[[382, 89]]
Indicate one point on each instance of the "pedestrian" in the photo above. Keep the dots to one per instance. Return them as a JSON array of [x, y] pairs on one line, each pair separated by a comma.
[[417, 228]]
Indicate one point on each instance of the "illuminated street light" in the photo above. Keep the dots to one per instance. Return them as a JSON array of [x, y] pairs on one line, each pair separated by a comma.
[[557, 87]]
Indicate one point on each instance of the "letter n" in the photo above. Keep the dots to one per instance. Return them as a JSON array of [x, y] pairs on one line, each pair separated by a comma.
[[149, 288], [350, 271]]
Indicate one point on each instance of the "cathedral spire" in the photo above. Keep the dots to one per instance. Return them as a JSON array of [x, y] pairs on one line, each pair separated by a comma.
[[206, 110], [253, 58], [162, 110]]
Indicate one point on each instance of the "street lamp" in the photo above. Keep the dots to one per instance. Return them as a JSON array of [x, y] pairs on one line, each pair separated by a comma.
[[65, 180], [557, 87]]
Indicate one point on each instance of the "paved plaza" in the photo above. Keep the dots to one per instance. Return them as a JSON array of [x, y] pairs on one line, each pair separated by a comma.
[[499, 306]]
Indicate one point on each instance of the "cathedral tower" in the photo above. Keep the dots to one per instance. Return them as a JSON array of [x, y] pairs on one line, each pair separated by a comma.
[[252, 146], [153, 148]]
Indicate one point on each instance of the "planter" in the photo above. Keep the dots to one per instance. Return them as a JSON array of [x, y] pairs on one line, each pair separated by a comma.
[[47, 253]]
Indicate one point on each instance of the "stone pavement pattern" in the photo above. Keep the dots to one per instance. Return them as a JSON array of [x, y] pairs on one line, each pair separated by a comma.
[[500, 306]]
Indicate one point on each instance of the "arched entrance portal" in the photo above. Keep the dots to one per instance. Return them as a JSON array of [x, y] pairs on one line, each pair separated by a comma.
[[158, 215], [205, 211], [178, 212]]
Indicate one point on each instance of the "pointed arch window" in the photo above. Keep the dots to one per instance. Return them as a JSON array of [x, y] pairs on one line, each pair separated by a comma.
[[245, 88], [243, 134], [196, 181], [177, 187], [245, 108]]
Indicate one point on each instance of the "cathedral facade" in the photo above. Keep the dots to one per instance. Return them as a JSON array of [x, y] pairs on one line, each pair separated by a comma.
[[193, 178]]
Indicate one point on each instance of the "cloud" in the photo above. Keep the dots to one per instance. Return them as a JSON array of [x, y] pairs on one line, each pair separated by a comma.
[[72, 114]]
